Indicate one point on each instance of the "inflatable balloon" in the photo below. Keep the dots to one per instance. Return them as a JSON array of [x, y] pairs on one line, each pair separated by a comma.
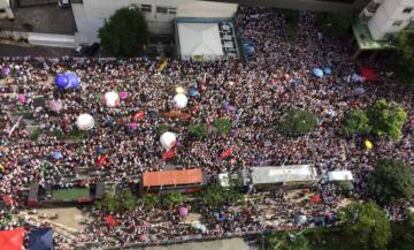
[[74, 81], [85, 122], [111, 99], [180, 101], [62, 81], [168, 140]]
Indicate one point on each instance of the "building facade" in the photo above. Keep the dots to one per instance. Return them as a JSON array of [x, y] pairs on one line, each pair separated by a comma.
[[90, 15], [385, 18]]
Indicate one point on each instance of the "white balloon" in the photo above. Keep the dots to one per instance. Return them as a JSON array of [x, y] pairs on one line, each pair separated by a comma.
[[85, 122], [111, 99], [180, 101], [168, 140]]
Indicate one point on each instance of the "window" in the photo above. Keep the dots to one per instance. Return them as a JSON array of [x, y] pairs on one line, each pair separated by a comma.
[[162, 10], [172, 11], [397, 23], [407, 10], [146, 8]]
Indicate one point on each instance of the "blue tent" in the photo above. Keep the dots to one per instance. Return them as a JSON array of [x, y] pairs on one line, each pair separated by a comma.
[[41, 239], [62, 81], [318, 72]]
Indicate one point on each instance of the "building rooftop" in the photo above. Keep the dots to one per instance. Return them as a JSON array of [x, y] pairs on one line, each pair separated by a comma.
[[41, 19], [365, 40]]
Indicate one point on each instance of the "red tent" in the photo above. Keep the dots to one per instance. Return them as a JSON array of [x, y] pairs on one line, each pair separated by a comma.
[[12, 239], [110, 221], [369, 74]]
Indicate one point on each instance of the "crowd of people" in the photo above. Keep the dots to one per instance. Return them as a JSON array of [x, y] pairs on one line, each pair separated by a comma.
[[260, 89]]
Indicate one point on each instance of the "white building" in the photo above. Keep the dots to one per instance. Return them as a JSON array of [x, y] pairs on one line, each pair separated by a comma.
[[387, 17], [90, 15], [6, 10]]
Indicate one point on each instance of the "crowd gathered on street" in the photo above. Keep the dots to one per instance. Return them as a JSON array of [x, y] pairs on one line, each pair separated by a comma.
[[254, 93]]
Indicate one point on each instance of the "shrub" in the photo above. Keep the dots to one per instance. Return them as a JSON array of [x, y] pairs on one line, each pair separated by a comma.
[[297, 122]]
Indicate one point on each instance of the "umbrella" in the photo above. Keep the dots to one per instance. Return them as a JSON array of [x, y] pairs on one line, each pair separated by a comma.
[[74, 81], [123, 95], [317, 72], [133, 125], [57, 155], [327, 71], [315, 199], [183, 211], [5, 71], [110, 221], [139, 116], [22, 99], [62, 81], [194, 92], [56, 105], [41, 239]]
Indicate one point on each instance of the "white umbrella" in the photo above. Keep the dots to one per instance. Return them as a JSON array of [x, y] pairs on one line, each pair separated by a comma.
[[85, 122], [180, 101], [111, 99], [168, 140]]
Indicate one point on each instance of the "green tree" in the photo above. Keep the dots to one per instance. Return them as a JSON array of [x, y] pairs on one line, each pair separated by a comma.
[[404, 58], [198, 131], [297, 122], [108, 203], [216, 196], [127, 200], [150, 200], [403, 234], [125, 34], [58, 133], [387, 118], [367, 225], [287, 241], [222, 125], [172, 199], [357, 122], [335, 24], [390, 181]]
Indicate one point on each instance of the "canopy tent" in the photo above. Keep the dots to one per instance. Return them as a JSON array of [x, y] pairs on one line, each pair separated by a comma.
[[340, 175], [11, 239], [41, 239], [199, 40]]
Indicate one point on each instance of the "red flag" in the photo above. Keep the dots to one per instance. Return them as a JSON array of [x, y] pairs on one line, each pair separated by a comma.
[[226, 153], [139, 116], [101, 161], [111, 221], [168, 154]]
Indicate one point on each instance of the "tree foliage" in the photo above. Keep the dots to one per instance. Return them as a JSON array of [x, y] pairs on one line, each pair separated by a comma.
[[198, 131], [357, 122], [297, 122], [404, 58], [216, 196], [125, 33], [391, 180], [387, 118], [113, 203], [172, 199], [222, 125], [403, 234], [335, 24], [150, 200], [367, 225], [287, 241]]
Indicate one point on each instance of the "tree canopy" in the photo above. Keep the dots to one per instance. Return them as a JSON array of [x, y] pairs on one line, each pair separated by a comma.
[[391, 180], [367, 225], [404, 58], [335, 24], [387, 118], [287, 241], [172, 199], [357, 122], [198, 131], [215, 195], [403, 234], [222, 125], [125, 33], [297, 122]]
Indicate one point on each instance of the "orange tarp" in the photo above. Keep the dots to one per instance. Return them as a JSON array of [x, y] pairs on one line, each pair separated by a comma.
[[172, 177]]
